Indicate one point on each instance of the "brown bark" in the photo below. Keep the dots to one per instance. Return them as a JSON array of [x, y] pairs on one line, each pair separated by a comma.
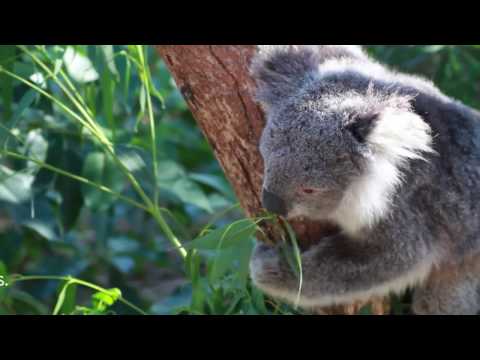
[[217, 86]]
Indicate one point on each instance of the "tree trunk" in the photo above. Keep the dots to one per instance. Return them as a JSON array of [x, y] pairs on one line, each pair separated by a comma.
[[217, 86]]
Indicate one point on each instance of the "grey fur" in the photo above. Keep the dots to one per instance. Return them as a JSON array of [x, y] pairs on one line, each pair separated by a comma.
[[333, 122]]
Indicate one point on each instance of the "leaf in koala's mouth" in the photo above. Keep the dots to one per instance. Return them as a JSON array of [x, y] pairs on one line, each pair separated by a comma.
[[293, 256]]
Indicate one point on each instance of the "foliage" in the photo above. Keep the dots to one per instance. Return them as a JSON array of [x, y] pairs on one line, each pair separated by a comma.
[[105, 177]]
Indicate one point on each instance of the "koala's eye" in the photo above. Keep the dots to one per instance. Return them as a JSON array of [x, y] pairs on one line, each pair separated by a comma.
[[308, 191]]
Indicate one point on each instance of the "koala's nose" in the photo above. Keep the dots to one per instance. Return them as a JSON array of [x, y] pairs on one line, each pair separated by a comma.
[[273, 203]]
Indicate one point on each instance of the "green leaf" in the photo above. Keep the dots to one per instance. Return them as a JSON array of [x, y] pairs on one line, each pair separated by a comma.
[[168, 172], [35, 147], [79, 66], [244, 254], [102, 300], [434, 48], [107, 84], [226, 236], [70, 189], [58, 66], [198, 283], [38, 79], [66, 299], [122, 244], [294, 258], [131, 160], [189, 192], [292, 251], [365, 310], [109, 58], [15, 187], [7, 60], [115, 293], [178, 302], [200, 295], [234, 303], [25, 102], [126, 78], [233, 259], [3, 280], [54, 157], [70, 300], [31, 301], [173, 178], [258, 301], [101, 169], [3, 269], [124, 264], [42, 228], [216, 182], [221, 263]]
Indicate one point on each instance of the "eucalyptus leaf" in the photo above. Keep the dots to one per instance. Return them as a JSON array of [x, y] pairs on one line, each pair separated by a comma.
[[70, 300], [189, 192], [109, 58], [3, 280], [25, 102], [43, 228], [36, 147], [69, 189], [173, 178], [216, 182], [60, 306], [15, 187], [78, 66], [227, 236], [125, 264], [7, 60], [101, 169]]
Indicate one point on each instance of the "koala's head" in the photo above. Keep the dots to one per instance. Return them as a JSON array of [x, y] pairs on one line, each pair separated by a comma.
[[324, 137]]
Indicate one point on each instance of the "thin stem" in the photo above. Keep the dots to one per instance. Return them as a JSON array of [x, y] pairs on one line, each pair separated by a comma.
[[90, 124], [73, 280], [100, 137], [56, 101], [218, 216], [66, 79], [11, 133], [169, 233], [67, 92], [146, 84], [75, 177]]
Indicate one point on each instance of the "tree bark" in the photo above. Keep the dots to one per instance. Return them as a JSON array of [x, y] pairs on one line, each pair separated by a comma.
[[218, 88]]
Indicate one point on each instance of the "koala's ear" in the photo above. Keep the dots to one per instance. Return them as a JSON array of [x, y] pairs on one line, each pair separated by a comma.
[[281, 70], [360, 126]]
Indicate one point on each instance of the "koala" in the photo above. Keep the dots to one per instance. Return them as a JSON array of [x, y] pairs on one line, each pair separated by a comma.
[[387, 157]]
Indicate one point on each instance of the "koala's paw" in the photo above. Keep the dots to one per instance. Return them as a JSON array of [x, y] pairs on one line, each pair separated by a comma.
[[268, 269]]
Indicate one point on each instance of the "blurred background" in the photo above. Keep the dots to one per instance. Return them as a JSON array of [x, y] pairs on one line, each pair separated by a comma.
[[84, 131]]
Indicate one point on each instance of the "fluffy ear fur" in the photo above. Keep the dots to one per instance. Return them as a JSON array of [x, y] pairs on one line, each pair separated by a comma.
[[394, 136], [341, 51], [361, 126], [281, 70], [400, 135]]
